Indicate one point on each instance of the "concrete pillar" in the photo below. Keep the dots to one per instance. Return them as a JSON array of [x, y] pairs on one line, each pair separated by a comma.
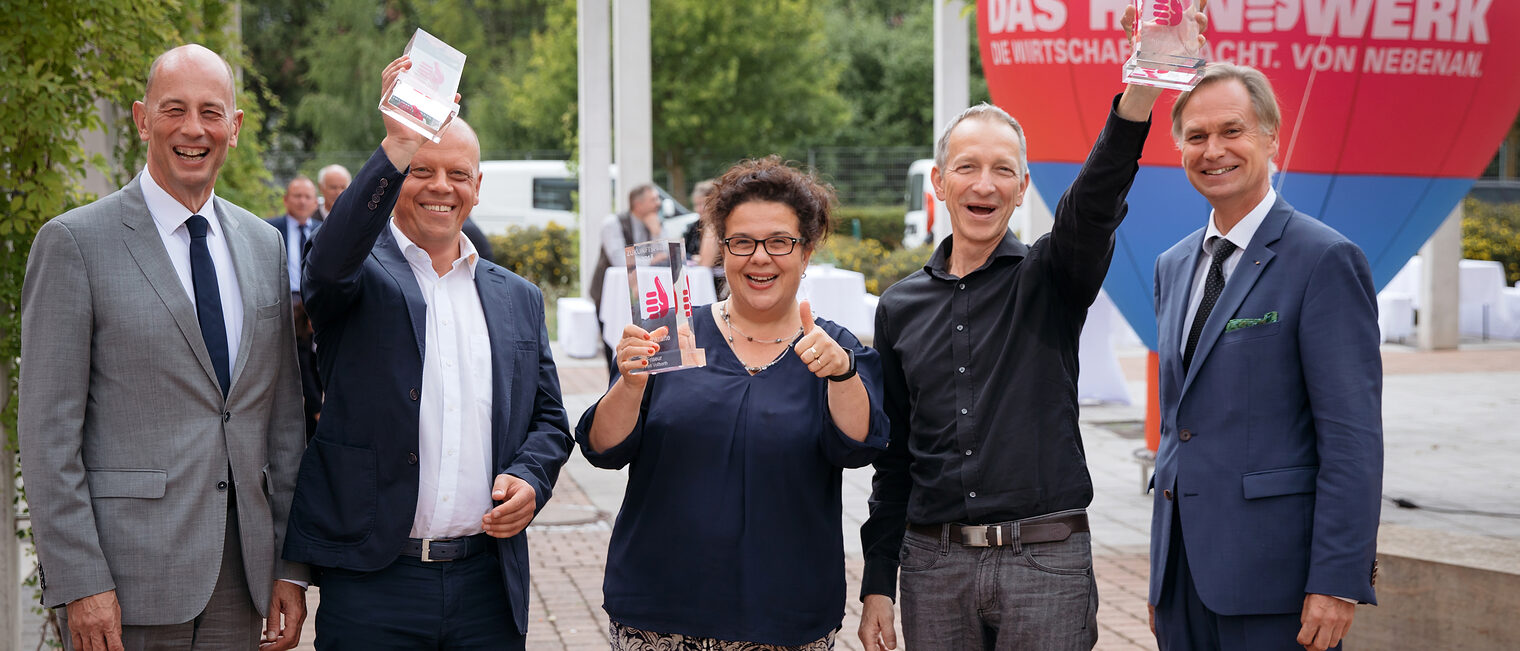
[[1440, 280], [633, 148], [594, 98], [952, 76]]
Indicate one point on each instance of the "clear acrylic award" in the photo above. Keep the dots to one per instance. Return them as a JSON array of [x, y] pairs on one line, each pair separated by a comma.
[[659, 293], [1166, 52], [423, 96]]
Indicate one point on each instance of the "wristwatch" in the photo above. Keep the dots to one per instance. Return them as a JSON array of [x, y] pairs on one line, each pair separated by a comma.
[[847, 374]]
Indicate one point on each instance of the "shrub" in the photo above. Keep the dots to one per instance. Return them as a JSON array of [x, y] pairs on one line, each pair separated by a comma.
[[548, 257], [881, 267], [884, 224], [1492, 232]]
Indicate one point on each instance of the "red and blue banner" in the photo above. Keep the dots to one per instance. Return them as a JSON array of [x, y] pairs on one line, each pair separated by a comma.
[[1390, 109]]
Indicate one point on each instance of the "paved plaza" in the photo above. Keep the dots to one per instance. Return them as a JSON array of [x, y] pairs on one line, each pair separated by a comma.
[[1451, 430]]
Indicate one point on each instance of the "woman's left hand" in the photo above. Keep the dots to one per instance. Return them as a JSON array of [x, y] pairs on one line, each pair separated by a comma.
[[824, 356]]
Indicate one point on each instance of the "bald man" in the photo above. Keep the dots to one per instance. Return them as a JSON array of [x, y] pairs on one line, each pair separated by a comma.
[[160, 410], [442, 430], [332, 181]]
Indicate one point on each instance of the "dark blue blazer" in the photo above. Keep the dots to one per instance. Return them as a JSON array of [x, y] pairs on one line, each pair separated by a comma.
[[356, 494], [1273, 441]]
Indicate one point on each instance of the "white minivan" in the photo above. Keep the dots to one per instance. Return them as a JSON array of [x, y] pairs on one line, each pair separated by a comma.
[[923, 208], [536, 192]]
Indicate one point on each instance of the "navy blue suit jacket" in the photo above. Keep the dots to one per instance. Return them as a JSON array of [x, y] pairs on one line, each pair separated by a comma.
[[356, 494], [1273, 441]]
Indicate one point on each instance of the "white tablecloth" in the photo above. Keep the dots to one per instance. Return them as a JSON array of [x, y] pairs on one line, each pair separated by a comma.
[[1101, 379], [1395, 315], [838, 295], [577, 331], [1480, 293], [616, 311]]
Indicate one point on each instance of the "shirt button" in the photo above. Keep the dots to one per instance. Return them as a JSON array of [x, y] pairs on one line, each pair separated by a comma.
[[962, 369], [1185, 435], [962, 286], [972, 493], [960, 327], [963, 411], [968, 453]]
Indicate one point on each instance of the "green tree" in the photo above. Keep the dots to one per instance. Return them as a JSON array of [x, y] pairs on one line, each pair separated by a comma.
[[752, 77]]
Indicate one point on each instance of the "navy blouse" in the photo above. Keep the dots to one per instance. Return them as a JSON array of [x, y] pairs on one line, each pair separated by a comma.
[[730, 527]]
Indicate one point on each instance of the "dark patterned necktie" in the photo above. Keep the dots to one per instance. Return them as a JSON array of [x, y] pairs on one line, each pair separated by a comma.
[[208, 300], [1211, 289]]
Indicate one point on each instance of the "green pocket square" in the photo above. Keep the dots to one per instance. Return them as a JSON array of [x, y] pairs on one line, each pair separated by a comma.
[[1236, 324]]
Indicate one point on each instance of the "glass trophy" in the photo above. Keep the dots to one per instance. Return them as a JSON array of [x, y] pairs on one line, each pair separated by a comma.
[[660, 294], [423, 95], [1166, 52]]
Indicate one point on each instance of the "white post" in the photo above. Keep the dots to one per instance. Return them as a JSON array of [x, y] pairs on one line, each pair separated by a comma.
[[633, 148], [1440, 280], [952, 75], [594, 96]]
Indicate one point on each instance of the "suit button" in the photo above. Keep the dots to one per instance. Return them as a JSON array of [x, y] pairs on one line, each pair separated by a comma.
[[221, 486], [1186, 435], [226, 416], [415, 395], [384, 182], [373, 205], [1167, 494], [411, 458]]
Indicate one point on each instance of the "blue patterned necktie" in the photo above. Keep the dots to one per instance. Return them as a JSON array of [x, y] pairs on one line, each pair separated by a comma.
[[1211, 289], [208, 300]]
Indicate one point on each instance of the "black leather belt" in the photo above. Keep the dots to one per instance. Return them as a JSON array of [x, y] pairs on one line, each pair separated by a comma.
[[452, 549], [1029, 531]]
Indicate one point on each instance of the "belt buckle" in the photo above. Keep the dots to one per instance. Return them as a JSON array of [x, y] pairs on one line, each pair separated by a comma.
[[427, 551], [974, 536]]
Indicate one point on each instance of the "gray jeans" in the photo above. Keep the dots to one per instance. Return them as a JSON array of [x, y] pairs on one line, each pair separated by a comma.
[[1039, 597]]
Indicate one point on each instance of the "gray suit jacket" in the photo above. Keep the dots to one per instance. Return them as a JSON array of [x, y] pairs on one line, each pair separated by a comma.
[[126, 440]]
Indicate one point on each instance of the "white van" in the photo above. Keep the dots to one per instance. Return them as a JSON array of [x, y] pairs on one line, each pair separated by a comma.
[[536, 192], [923, 208]]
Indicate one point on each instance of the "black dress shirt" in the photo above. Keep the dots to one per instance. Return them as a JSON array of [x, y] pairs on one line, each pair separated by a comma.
[[981, 372]]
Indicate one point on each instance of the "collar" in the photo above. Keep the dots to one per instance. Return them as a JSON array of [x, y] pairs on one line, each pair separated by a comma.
[[939, 263], [168, 213], [417, 255], [1246, 228]]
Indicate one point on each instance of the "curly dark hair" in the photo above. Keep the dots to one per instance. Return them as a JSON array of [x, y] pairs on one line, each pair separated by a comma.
[[771, 179]]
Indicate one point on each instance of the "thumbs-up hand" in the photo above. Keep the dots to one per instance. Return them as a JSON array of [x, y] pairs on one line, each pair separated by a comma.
[[824, 356], [517, 500]]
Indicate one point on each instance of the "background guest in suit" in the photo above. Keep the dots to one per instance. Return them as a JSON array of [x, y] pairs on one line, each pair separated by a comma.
[[334, 179], [442, 431], [298, 225], [160, 416], [1270, 469]]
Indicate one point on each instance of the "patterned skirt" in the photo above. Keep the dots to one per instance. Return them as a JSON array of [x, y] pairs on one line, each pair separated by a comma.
[[627, 638]]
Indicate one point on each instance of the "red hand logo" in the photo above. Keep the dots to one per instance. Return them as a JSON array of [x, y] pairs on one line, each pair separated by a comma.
[[656, 303], [1168, 12], [686, 296]]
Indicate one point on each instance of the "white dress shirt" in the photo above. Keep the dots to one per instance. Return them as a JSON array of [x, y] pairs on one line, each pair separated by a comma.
[[1240, 235], [170, 217], [454, 430], [293, 228]]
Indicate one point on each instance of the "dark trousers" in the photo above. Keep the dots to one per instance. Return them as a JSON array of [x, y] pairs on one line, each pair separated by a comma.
[[416, 605], [1183, 623]]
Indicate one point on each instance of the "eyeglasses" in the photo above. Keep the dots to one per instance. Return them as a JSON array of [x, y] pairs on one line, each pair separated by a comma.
[[745, 246]]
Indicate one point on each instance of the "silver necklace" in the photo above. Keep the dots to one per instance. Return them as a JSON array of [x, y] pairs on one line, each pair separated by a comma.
[[723, 310]]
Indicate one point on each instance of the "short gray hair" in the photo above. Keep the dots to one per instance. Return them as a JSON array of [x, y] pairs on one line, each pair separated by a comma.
[[322, 173], [1258, 87], [983, 111]]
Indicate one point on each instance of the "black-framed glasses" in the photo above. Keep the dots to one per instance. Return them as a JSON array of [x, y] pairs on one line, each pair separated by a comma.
[[777, 245]]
